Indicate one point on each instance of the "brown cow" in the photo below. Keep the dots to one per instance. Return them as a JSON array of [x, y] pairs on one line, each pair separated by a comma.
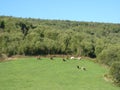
[[51, 58], [38, 58]]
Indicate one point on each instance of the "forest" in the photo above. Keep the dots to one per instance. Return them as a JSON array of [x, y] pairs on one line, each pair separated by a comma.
[[30, 36]]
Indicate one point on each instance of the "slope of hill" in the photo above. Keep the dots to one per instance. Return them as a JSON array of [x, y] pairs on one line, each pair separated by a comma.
[[28, 36], [36, 36], [44, 74]]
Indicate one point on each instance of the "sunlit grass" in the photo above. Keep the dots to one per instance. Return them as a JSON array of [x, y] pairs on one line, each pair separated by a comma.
[[46, 74]]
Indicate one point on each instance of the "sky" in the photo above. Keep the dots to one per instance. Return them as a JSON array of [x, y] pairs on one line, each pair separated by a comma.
[[107, 11]]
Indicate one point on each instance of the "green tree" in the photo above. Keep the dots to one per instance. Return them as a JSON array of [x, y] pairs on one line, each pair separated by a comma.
[[109, 55], [115, 72], [2, 25]]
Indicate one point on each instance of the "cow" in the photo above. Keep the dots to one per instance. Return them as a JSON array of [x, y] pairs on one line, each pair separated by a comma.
[[78, 67], [51, 58], [67, 57], [79, 58], [38, 58], [83, 68], [64, 60], [72, 57]]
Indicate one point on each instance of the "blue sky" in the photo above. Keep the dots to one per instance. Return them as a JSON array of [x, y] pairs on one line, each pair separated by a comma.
[[76, 10]]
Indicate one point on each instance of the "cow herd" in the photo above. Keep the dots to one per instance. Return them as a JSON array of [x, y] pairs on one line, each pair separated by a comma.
[[65, 59], [82, 68]]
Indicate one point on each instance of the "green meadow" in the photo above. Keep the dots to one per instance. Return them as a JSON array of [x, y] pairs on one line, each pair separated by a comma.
[[46, 74]]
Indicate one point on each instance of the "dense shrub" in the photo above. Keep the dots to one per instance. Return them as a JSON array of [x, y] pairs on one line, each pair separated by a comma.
[[115, 72], [109, 55], [3, 57], [35, 36]]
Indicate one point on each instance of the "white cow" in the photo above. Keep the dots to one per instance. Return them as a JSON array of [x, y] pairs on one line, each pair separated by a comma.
[[72, 57], [79, 58], [83, 68]]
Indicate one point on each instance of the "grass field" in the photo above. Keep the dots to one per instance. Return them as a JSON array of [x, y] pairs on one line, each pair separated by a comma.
[[46, 74]]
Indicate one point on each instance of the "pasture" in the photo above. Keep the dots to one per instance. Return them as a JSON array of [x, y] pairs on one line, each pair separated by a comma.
[[46, 74]]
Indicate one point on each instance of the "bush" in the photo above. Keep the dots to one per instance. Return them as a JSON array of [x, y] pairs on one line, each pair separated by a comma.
[[115, 72], [3, 57], [109, 55]]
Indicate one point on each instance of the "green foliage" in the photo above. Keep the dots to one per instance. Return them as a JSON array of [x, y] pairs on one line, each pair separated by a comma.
[[115, 72], [30, 36], [2, 24], [109, 55], [99, 46], [88, 47], [3, 57]]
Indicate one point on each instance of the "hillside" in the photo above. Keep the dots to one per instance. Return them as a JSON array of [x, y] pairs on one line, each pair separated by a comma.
[[46, 74], [30, 36]]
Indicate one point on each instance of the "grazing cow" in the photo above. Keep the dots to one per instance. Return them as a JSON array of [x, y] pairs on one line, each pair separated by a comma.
[[38, 57], [72, 57], [64, 60], [83, 68], [79, 58], [78, 67], [67, 57], [51, 58]]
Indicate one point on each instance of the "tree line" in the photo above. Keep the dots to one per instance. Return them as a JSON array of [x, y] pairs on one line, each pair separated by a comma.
[[29, 36]]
